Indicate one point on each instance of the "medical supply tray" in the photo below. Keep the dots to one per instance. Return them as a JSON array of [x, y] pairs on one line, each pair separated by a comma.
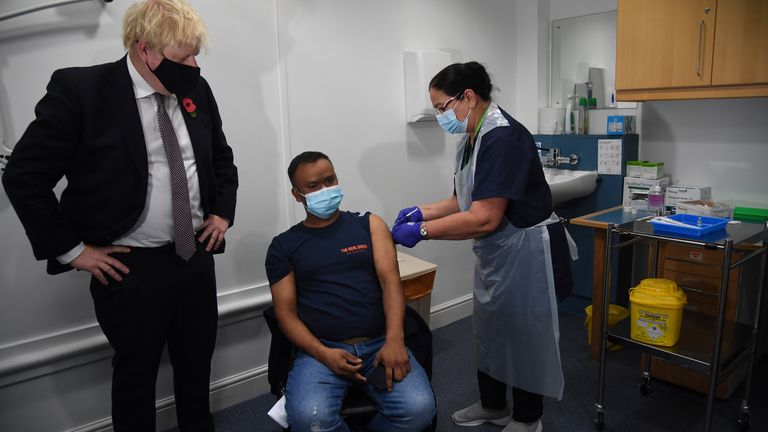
[[694, 225]]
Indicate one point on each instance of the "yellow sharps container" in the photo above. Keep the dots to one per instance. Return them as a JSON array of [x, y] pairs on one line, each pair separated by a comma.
[[657, 311]]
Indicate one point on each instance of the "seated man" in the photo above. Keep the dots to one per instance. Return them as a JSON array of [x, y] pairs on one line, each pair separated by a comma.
[[337, 296]]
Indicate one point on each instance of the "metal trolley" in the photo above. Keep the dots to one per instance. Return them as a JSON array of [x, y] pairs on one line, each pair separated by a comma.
[[712, 345]]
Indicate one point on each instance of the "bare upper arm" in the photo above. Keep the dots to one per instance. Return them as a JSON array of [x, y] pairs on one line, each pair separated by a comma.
[[284, 296], [384, 252]]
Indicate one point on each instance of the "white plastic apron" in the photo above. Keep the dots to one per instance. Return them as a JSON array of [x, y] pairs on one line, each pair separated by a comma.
[[517, 336]]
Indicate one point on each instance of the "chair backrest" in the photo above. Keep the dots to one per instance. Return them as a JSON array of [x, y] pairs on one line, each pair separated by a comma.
[[357, 406], [280, 354], [418, 338]]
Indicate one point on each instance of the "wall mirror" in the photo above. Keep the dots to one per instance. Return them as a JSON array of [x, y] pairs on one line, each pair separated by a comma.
[[579, 43]]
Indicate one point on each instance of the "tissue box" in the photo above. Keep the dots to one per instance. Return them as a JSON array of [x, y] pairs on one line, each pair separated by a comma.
[[680, 193], [652, 170], [636, 189], [704, 208], [620, 125]]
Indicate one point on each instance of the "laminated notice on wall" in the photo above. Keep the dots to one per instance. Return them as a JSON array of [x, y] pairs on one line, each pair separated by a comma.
[[609, 156]]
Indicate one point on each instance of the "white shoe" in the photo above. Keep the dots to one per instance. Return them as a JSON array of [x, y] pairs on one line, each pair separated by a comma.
[[475, 415], [514, 426]]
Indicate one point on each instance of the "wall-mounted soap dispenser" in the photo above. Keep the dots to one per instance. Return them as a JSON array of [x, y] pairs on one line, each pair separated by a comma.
[[420, 67]]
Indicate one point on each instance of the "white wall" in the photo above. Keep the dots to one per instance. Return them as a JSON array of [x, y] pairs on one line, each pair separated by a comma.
[[721, 143], [573, 8], [289, 75], [53, 357], [346, 97], [34, 45], [293, 75]]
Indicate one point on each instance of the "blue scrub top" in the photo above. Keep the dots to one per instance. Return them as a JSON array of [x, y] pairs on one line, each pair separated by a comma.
[[338, 293], [508, 166]]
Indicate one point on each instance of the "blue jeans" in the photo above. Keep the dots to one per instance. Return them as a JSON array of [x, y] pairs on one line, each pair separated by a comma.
[[314, 394]]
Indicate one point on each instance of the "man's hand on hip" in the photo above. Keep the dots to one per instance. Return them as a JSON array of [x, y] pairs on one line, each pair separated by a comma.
[[97, 261], [213, 229]]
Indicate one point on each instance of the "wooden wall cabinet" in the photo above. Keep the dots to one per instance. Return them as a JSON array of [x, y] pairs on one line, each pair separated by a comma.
[[691, 49]]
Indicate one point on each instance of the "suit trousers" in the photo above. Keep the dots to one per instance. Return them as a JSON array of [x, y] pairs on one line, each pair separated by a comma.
[[163, 299]]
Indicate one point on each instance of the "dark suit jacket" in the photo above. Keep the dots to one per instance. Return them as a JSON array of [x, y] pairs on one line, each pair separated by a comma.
[[87, 129]]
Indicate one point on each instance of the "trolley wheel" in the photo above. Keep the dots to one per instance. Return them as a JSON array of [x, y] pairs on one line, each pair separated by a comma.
[[599, 421], [744, 421], [645, 387]]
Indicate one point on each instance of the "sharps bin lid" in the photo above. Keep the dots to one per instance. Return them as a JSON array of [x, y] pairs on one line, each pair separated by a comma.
[[658, 292]]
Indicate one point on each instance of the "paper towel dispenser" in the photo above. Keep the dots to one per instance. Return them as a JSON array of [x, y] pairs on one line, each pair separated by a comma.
[[420, 67]]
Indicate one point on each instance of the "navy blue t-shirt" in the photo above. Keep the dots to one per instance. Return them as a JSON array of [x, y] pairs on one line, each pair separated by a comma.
[[508, 166], [337, 289]]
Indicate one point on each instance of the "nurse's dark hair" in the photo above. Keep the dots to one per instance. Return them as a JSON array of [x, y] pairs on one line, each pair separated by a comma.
[[456, 78], [304, 158]]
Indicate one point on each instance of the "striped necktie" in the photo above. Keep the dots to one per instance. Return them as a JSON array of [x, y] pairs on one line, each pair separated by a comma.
[[182, 214]]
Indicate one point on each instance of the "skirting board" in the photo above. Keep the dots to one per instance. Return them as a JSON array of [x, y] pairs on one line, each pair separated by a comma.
[[224, 394], [239, 388], [450, 311]]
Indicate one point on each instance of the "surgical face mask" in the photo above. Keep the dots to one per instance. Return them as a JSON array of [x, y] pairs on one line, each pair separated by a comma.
[[325, 202], [177, 78], [448, 121]]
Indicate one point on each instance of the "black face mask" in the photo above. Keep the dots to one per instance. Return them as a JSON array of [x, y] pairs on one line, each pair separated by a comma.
[[177, 78]]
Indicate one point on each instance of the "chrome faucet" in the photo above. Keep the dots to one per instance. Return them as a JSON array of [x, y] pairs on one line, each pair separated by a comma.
[[553, 158]]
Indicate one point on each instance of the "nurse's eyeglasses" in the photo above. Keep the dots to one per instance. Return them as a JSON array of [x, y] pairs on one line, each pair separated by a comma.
[[441, 109]]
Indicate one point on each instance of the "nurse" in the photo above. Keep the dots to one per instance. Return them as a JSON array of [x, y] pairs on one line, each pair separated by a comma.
[[523, 265]]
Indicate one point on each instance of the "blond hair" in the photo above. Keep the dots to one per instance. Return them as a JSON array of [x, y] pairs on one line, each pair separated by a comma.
[[163, 23]]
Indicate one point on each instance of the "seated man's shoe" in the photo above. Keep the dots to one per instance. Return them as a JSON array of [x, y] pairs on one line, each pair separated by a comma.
[[514, 426], [475, 415]]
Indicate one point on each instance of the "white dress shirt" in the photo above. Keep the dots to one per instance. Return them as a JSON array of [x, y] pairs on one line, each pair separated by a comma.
[[155, 225]]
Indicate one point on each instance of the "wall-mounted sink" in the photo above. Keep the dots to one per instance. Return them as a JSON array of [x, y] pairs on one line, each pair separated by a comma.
[[568, 184]]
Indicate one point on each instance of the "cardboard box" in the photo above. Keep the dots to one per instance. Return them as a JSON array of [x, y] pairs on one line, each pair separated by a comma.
[[620, 125], [636, 189], [704, 208], [652, 170], [635, 168], [679, 193]]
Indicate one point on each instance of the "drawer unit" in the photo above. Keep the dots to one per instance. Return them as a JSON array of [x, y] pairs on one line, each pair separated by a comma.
[[698, 272]]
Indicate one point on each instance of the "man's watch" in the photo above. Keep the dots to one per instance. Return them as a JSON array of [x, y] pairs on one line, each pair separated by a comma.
[[423, 230]]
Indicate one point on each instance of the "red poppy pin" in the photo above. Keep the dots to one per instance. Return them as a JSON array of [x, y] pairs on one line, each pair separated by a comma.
[[190, 107]]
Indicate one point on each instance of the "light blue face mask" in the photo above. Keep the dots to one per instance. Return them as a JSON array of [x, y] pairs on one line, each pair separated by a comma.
[[448, 121], [325, 202]]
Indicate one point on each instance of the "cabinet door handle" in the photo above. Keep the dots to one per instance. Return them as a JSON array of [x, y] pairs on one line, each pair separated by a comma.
[[698, 56]]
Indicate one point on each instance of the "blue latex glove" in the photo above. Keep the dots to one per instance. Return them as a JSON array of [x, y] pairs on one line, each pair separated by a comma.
[[407, 234], [409, 214]]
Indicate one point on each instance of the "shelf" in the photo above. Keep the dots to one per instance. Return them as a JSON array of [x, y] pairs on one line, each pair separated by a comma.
[[744, 232], [701, 347], [696, 345]]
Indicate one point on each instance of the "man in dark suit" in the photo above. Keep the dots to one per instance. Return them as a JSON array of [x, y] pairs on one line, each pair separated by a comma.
[[151, 190]]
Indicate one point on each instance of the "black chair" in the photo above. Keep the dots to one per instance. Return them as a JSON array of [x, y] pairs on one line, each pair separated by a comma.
[[357, 407]]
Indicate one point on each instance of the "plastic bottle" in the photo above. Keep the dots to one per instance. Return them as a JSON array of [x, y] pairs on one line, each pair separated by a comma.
[[569, 128], [583, 117], [655, 198], [575, 122]]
